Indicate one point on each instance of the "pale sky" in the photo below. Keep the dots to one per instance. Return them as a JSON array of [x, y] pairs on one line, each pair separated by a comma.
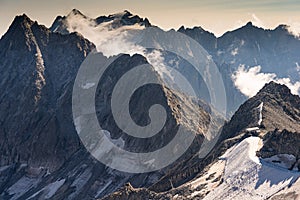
[[217, 16]]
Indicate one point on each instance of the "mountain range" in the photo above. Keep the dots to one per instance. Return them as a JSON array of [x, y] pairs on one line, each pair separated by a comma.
[[42, 156], [234, 53]]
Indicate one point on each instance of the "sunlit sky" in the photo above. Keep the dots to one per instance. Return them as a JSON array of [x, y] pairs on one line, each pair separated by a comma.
[[217, 16]]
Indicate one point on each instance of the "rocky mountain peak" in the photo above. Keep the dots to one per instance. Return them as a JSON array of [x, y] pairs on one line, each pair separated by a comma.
[[24, 34], [285, 30], [282, 27], [249, 24], [273, 107], [35, 66], [124, 18], [75, 12], [22, 19], [275, 88], [248, 28], [123, 14], [197, 29], [21, 23], [182, 28], [207, 39]]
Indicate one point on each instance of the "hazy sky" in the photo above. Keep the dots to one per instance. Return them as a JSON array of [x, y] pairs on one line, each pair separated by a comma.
[[216, 16]]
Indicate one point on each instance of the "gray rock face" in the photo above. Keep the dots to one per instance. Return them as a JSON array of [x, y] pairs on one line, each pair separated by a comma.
[[279, 110], [282, 142], [37, 71], [41, 153]]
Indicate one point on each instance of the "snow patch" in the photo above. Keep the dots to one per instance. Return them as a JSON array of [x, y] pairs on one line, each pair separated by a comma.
[[149, 162], [120, 14], [40, 80], [52, 188], [77, 123], [260, 107], [88, 85], [103, 188], [49, 190], [22, 186], [252, 129], [4, 168], [80, 182], [208, 180], [118, 142], [235, 51], [248, 177]]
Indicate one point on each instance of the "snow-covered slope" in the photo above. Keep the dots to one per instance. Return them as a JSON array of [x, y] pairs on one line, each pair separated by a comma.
[[248, 177]]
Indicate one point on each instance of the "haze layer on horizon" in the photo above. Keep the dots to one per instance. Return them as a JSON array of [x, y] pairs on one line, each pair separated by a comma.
[[217, 16]]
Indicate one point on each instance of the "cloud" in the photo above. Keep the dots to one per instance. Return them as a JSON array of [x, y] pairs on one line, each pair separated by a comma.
[[256, 21], [297, 67], [251, 17], [250, 81], [294, 28], [111, 39], [108, 39]]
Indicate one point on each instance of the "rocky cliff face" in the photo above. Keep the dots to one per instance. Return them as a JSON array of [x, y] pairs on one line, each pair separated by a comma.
[[41, 153], [254, 119], [274, 107], [37, 68]]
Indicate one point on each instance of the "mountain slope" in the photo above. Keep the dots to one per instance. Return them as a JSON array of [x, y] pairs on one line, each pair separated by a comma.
[[274, 107], [36, 70], [239, 167], [41, 153]]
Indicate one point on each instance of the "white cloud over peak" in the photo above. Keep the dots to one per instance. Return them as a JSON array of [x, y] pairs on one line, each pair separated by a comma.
[[112, 40], [250, 80], [294, 28], [256, 21], [108, 39]]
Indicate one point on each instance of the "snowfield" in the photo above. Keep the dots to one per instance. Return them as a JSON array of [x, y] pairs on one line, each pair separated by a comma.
[[248, 177]]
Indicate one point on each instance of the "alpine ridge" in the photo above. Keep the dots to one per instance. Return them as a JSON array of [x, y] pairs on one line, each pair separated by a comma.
[[257, 155]]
